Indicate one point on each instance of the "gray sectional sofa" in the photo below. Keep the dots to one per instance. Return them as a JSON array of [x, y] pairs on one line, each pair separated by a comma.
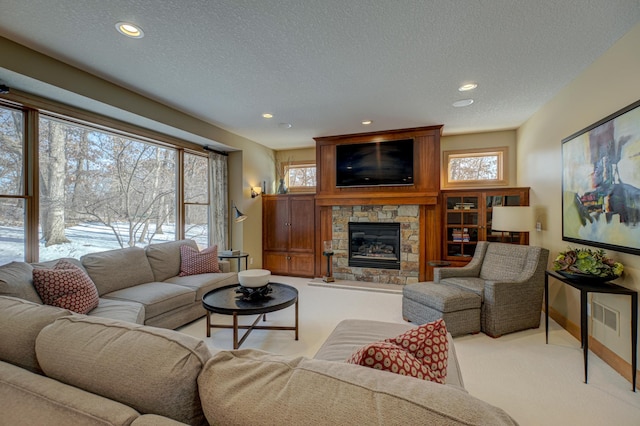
[[138, 285], [108, 368], [57, 368]]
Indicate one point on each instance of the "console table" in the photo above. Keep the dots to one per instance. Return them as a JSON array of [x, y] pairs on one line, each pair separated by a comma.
[[585, 286]]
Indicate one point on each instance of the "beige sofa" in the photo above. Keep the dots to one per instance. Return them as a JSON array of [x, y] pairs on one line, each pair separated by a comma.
[[57, 367], [134, 284]]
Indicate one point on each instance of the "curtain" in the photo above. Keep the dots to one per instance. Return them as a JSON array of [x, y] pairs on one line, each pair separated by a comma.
[[218, 210]]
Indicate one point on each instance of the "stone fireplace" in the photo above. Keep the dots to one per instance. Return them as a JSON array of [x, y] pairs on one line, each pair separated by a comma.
[[385, 250]]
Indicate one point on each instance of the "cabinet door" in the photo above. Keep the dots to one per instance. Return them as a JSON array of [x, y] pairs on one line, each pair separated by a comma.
[[277, 263], [302, 231], [301, 264], [462, 222], [276, 223]]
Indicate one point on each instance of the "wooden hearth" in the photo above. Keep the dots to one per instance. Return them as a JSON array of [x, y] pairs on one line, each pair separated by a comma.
[[424, 192]]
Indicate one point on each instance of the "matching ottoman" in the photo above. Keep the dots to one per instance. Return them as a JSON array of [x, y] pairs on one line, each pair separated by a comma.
[[428, 301]]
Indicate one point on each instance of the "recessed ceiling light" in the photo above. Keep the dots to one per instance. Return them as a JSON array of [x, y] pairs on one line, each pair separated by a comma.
[[366, 122], [462, 103], [267, 115], [129, 29], [468, 86], [285, 125]]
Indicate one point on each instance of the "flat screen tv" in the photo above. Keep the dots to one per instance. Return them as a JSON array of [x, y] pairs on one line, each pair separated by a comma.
[[375, 163]]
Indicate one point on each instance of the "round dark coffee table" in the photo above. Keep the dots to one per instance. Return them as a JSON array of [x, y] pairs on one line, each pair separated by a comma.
[[226, 301]]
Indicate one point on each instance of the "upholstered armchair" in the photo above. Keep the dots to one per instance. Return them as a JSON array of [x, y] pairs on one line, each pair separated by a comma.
[[510, 282]]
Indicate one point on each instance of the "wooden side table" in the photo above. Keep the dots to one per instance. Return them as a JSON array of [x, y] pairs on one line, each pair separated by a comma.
[[585, 287]]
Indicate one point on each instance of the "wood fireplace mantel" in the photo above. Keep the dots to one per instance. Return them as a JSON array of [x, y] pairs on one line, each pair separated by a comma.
[[425, 192]]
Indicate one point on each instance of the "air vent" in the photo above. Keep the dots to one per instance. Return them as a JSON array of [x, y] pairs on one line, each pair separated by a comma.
[[607, 316]]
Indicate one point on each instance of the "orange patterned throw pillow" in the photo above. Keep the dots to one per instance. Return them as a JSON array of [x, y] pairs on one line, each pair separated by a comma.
[[193, 262], [421, 352], [66, 286]]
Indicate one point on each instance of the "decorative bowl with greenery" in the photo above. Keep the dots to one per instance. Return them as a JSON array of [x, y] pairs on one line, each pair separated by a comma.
[[587, 262]]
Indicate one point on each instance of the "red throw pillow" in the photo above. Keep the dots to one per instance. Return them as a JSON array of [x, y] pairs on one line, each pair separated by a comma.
[[66, 286], [193, 262], [421, 352]]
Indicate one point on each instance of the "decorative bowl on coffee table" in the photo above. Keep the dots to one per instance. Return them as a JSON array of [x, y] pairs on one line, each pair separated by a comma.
[[254, 283]]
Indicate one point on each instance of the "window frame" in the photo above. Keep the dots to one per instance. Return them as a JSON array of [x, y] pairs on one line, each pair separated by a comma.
[[299, 165], [503, 172], [33, 106]]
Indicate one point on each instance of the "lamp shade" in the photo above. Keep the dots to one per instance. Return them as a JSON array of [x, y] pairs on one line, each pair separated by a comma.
[[238, 216], [512, 219]]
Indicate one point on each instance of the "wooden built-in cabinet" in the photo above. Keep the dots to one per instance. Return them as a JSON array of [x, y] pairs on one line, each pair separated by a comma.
[[467, 220], [288, 234]]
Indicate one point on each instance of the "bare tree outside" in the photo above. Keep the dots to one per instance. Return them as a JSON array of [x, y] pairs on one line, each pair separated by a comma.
[[301, 175], [196, 195], [89, 176], [12, 206], [473, 168], [53, 137]]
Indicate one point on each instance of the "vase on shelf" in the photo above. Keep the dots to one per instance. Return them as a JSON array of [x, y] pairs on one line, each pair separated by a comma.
[[282, 188]]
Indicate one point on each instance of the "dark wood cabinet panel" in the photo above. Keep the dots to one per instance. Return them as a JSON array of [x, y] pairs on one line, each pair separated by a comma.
[[289, 234], [276, 224]]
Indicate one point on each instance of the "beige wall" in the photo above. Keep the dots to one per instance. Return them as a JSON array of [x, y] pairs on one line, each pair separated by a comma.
[[606, 86]]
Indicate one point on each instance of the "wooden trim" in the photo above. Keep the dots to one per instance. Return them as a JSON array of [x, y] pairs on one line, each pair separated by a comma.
[[612, 359], [425, 198], [383, 133], [32, 185]]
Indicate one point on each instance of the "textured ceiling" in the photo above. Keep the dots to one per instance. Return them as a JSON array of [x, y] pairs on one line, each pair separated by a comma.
[[325, 65]]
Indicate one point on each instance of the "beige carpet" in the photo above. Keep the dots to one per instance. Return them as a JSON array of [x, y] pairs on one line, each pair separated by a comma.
[[537, 384]]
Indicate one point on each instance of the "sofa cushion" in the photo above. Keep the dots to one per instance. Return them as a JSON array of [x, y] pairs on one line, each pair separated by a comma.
[[193, 262], [351, 334], [16, 280], [31, 399], [164, 258], [155, 420], [420, 352], [52, 263], [66, 286], [116, 269], [20, 323], [151, 369], [157, 298], [204, 283], [252, 387], [119, 310]]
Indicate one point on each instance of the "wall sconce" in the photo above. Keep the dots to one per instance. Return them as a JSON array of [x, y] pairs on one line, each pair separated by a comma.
[[256, 191]]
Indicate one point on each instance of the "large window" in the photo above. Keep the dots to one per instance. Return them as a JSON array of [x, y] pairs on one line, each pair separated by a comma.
[[97, 188], [100, 191], [12, 185]]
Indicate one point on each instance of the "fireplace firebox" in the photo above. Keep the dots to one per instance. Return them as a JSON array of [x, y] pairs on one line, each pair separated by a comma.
[[374, 245]]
